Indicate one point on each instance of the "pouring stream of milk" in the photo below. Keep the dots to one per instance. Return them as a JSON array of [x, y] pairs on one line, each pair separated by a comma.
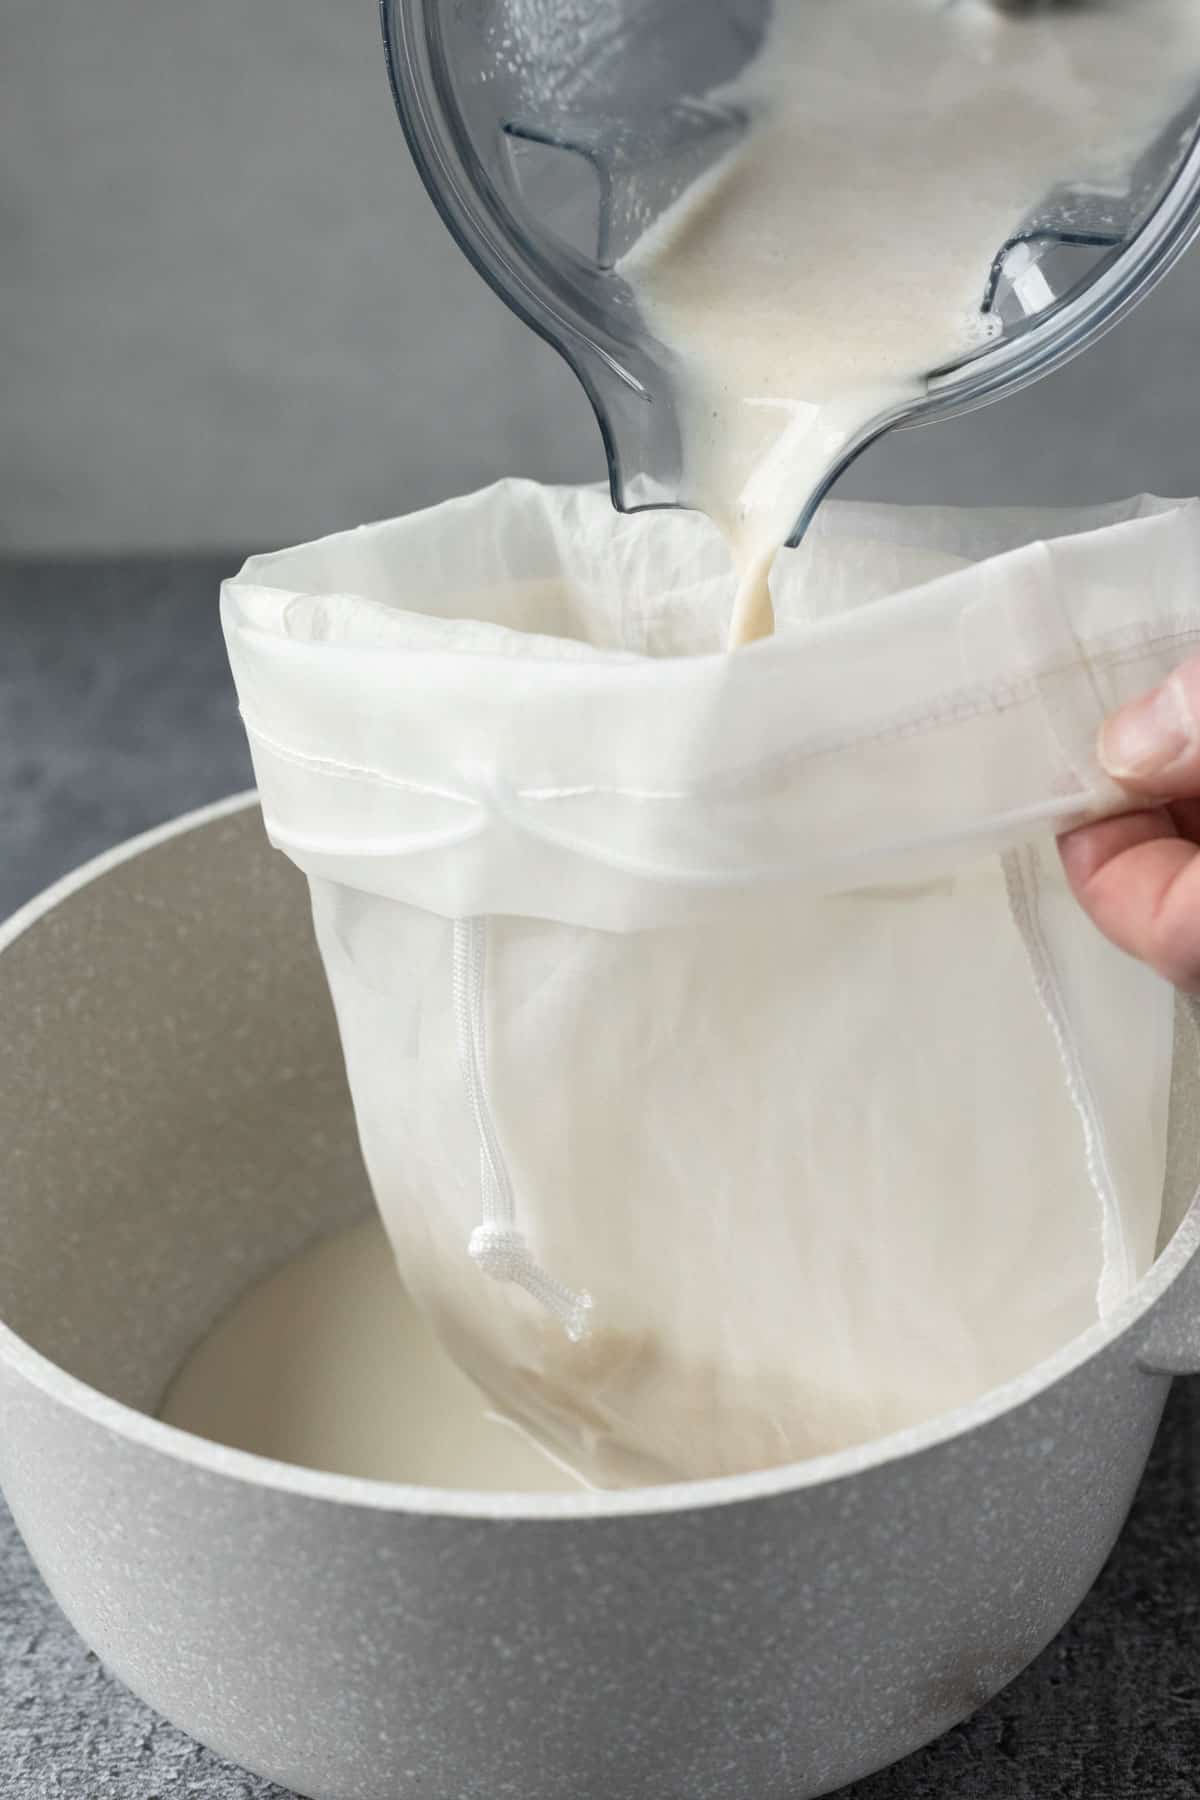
[[810, 281]]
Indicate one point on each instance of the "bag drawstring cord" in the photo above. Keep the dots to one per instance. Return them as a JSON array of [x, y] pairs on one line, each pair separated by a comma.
[[497, 1245]]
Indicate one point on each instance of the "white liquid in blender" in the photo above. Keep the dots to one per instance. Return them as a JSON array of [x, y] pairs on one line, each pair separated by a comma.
[[811, 281]]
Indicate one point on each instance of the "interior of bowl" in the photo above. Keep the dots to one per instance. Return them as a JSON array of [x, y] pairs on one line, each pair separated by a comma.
[[173, 1111]]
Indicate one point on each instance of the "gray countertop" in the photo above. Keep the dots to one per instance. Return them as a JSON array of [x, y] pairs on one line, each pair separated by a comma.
[[116, 712]]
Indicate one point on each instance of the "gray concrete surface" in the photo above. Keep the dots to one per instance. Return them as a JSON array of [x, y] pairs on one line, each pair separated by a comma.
[[229, 314]]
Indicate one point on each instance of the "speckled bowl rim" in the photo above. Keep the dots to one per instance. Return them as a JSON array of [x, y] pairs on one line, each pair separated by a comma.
[[386, 1496]]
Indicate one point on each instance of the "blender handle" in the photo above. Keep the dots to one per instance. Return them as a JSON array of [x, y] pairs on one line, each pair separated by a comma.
[[619, 374]]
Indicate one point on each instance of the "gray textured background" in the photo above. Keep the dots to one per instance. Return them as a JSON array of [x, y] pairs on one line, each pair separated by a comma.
[[230, 316]]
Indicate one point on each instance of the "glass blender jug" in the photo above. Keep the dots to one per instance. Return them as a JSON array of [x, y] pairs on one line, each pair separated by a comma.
[[552, 133]]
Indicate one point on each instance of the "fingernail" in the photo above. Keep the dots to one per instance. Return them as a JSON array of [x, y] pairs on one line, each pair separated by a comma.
[[1150, 735]]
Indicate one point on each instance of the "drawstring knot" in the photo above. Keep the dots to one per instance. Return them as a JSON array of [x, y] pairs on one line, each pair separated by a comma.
[[499, 1253], [502, 1253]]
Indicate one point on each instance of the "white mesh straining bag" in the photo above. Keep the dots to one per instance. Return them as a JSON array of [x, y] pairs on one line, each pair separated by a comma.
[[736, 1078]]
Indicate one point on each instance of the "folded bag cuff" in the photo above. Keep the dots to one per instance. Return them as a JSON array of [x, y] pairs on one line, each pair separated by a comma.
[[890, 741]]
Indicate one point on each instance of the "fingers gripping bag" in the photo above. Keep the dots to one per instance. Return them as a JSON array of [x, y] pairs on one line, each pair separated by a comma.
[[736, 1077]]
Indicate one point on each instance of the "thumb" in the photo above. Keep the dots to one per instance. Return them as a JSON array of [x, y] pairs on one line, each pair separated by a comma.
[[1152, 746]]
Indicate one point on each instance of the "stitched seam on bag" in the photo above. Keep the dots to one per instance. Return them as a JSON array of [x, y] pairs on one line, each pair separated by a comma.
[[976, 702], [1022, 888], [1116, 650], [327, 765]]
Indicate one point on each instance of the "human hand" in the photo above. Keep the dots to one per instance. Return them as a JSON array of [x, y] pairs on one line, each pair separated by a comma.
[[1138, 876]]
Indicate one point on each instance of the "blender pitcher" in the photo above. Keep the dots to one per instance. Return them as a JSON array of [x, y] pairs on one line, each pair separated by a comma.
[[552, 133]]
